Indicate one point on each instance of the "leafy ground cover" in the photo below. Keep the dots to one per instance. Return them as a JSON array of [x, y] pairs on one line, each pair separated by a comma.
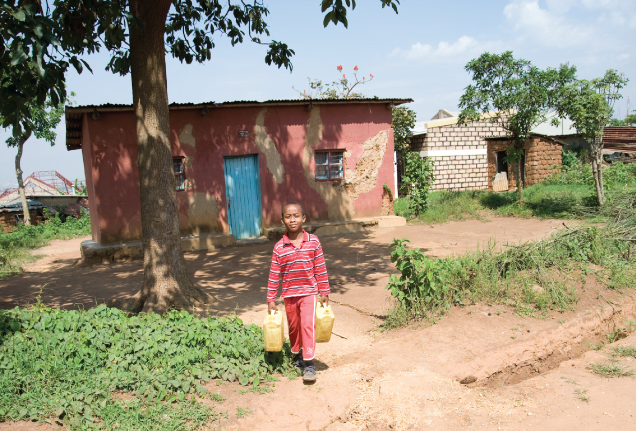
[[16, 246], [532, 277], [568, 194], [69, 366]]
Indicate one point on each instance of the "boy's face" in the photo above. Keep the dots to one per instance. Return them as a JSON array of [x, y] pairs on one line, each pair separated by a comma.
[[293, 218]]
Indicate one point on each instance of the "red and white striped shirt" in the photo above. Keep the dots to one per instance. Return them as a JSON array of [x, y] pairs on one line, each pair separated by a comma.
[[303, 269]]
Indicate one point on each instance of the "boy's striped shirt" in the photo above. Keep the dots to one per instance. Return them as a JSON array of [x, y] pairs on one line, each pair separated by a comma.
[[303, 269]]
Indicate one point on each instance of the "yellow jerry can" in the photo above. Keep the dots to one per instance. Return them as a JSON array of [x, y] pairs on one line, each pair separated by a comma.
[[324, 322], [274, 332]]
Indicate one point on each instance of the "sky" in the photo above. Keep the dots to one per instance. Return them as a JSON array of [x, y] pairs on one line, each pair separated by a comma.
[[420, 53]]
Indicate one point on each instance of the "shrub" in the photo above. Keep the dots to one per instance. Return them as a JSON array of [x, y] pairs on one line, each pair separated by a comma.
[[417, 180]]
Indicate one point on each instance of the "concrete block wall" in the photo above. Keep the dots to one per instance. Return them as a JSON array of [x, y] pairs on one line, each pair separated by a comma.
[[466, 165], [461, 172]]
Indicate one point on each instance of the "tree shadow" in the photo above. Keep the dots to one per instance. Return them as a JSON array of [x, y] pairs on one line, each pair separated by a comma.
[[236, 276]]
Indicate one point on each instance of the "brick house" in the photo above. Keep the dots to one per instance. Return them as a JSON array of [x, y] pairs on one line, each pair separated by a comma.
[[468, 157]]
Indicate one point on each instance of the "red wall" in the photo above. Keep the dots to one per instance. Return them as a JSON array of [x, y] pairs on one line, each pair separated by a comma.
[[110, 160]]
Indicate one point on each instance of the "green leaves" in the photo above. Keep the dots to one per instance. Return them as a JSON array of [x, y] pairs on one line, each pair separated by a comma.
[[66, 364], [402, 123], [338, 12], [417, 179], [423, 279]]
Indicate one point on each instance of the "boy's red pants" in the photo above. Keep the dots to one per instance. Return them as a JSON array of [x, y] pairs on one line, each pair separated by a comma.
[[301, 317]]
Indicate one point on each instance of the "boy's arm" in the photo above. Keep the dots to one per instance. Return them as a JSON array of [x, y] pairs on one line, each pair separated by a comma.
[[320, 272], [272, 282]]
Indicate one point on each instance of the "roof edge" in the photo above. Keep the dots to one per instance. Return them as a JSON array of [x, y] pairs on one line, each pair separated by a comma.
[[241, 104]]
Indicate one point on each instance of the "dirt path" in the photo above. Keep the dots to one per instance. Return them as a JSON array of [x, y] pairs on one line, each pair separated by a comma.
[[526, 371]]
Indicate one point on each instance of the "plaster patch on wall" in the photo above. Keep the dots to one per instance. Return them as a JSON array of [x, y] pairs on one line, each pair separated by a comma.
[[268, 148], [187, 161], [186, 138], [203, 211], [340, 195]]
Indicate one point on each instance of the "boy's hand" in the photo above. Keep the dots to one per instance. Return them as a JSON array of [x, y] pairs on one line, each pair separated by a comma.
[[324, 299], [271, 306]]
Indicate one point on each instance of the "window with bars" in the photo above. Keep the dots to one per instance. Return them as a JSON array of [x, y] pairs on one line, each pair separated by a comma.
[[329, 165], [179, 175]]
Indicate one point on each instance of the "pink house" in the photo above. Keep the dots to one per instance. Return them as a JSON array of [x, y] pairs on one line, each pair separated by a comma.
[[236, 163]]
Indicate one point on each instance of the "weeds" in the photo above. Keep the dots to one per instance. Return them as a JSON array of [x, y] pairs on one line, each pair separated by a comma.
[[629, 351], [240, 412], [66, 365], [580, 394], [530, 277], [610, 369]]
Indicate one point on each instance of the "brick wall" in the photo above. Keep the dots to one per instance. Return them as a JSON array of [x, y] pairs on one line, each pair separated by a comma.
[[458, 171], [542, 158], [8, 219]]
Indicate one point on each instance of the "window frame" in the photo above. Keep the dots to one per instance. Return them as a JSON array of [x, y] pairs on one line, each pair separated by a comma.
[[181, 174], [329, 165]]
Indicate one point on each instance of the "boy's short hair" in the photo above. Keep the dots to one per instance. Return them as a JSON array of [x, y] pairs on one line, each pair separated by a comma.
[[286, 204]]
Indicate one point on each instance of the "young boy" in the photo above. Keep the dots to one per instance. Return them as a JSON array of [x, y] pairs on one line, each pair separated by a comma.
[[298, 257]]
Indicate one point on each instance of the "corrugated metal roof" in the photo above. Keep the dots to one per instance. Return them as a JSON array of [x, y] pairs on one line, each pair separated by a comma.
[[74, 113], [15, 206]]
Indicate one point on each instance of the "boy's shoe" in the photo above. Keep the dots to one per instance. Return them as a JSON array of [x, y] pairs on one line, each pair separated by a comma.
[[298, 361], [310, 373]]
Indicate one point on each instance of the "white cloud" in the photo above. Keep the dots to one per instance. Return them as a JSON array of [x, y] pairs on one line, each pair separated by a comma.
[[462, 49], [594, 24], [544, 25]]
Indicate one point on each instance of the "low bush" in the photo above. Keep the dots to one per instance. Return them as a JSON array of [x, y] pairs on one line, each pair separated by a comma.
[[67, 366]]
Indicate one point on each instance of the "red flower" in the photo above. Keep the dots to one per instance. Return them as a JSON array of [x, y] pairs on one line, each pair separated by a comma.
[[371, 75], [339, 68], [355, 68], [343, 75], [363, 78]]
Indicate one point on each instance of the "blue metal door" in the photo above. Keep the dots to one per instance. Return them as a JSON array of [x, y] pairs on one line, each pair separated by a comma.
[[243, 195]]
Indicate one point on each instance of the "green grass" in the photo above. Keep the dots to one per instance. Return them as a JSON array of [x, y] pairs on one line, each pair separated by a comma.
[[567, 195], [68, 366], [629, 351], [610, 369], [16, 246]]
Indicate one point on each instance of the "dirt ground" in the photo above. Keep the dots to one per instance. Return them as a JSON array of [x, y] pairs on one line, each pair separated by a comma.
[[518, 373]]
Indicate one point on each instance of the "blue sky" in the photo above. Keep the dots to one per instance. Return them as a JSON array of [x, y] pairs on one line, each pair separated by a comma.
[[419, 53]]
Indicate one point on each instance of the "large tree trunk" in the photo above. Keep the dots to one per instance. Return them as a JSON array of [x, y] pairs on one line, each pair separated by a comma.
[[166, 282], [18, 174], [596, 150]]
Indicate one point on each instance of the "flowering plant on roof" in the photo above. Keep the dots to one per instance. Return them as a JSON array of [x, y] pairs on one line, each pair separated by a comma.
[[339, 89]]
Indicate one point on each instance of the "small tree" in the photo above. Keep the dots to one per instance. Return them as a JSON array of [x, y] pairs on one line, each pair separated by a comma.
[[339, 89], [515, 94], [40, 121], [403, 122], [417, 180], [589, 104]]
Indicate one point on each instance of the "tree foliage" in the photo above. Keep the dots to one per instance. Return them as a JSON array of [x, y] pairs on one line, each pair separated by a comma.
[[403, 122], [515, 94], [417, 181], [590, 104]]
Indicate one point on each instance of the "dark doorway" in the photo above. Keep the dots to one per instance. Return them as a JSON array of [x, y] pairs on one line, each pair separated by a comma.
[[502, 165]]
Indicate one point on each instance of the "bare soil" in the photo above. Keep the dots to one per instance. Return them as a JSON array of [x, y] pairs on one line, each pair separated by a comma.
[[518, 373]]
